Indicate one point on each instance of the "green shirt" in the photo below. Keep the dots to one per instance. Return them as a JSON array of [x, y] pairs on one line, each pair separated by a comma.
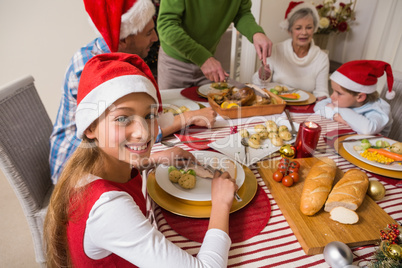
[[190, 30]]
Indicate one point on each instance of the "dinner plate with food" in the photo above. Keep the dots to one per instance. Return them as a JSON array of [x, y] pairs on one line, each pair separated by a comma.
[[378, 151], [218, 87], [178, 106], [287, 93], [193, 182], [262, 140]]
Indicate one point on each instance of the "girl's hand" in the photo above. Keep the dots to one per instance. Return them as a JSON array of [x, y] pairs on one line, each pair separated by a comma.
[[222, 190]]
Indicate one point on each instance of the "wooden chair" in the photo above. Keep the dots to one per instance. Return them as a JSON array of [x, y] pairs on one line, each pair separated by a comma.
[[24, 153], [396, 106]]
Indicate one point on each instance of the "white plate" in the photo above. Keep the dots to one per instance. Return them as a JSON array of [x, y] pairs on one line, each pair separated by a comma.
[[231, 145], [356, 154], [202, 189], [303, 95], [204, 90], [177, 103]]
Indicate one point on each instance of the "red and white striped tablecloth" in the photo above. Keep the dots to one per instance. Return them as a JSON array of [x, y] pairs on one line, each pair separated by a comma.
[[276, 245]]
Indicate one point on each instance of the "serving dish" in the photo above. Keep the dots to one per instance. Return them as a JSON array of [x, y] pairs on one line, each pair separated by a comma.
[[231, 145], [202, 189], [196, 209], [248, 111], [204, 90]]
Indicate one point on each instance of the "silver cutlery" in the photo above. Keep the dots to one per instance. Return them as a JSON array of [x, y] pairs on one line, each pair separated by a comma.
[[245, 144], [395, 163], [171, 144], [213, 170], [293, 130]]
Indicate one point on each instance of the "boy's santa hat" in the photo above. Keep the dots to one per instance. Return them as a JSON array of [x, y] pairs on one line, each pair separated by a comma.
[[293, 8], [362, 76], [107, 78], [117, 19]]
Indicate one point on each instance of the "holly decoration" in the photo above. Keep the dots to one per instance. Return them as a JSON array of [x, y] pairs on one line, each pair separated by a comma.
[[233, 130], [391, 234]]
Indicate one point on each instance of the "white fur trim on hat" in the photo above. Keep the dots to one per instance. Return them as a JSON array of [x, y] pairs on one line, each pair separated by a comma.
[[95, 103], [348, 83], [284, 25], [136, 18]]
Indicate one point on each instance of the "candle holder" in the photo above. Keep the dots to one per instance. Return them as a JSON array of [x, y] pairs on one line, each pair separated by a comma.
[[307, 139]]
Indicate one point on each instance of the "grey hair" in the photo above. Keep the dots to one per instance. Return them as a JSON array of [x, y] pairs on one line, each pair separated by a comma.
[[302, 13]]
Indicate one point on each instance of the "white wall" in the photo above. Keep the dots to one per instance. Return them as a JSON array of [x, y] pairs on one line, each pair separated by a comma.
[[38, 37]]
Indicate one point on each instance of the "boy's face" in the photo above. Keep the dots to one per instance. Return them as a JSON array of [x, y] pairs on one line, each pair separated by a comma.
[[127, 130], [343, 99]]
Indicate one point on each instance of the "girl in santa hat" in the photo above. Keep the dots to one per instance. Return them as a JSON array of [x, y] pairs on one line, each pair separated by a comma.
[[355, 101], [96, 216]]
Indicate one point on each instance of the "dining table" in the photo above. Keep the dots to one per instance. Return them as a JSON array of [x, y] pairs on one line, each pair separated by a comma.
[[274, 244]]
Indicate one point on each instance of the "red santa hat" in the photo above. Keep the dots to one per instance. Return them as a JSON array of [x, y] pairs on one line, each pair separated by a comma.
[[117, 19], [293, 8], [362, 76], [105, 79]]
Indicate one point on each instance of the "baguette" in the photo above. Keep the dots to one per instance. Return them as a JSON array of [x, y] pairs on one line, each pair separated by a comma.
[[349, 192], [344, 215], [317, 186]]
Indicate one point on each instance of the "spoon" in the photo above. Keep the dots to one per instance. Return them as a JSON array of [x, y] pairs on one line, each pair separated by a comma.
[[244, 142]]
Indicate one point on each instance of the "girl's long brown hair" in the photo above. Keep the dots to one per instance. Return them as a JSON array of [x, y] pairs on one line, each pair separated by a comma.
[[87, 159]]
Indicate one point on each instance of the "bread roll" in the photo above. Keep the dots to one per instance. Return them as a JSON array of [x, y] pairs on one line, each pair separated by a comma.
[[349, 192], [344, 215], [317, 186]]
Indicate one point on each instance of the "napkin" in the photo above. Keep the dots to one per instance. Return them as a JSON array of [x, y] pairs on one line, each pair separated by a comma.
[[331, 136], [203, 145], [308, 109], [243, 224], [191, 93]]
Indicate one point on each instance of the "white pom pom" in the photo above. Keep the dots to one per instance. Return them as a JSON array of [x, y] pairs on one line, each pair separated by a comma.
[[390, 95], [284, 25]]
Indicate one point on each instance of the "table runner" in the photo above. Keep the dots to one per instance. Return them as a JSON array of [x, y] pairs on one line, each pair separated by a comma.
[[243, 224]]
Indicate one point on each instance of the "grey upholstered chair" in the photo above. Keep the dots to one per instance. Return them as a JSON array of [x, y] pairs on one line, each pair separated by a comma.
[[396, 107], [25, 128]]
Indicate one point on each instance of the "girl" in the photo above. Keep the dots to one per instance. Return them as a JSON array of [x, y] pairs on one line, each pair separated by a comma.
[[96, 216]]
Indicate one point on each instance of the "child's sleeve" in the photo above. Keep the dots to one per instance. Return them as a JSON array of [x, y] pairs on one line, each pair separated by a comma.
[[322, 109]]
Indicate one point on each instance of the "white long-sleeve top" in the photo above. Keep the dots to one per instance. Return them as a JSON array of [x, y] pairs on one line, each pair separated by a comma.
[[309, 73], [116, 225], [371, 118]]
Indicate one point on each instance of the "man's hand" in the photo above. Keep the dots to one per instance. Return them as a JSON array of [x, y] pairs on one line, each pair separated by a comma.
[[213, 70], [263, 46]]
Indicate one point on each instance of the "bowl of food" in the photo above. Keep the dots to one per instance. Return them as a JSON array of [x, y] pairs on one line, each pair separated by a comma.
[[244, 102]]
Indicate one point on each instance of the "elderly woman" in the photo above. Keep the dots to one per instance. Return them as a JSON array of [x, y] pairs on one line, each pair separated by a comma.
[[297, 62]]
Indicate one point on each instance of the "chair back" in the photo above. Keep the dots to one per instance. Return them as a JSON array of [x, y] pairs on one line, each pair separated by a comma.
[[396, 106], [25, 128]]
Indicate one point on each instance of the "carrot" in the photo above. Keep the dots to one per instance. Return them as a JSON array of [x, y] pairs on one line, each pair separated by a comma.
[[289, 96], [395, 156]]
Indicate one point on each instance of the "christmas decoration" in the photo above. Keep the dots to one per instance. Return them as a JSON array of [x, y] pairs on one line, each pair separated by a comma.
[[338, 254], [376, 190], [233, 130], [287, 151]]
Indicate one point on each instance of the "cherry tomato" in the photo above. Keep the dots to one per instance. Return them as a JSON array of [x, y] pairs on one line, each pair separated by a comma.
[[282, 170], [277, 176], [287, 181], [293, 169], [284, 160], [294, 176], [294, 164], [283, 165]]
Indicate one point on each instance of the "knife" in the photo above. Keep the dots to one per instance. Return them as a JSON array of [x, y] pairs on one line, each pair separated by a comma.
[[241, 85], [213, 170], [352, 140]]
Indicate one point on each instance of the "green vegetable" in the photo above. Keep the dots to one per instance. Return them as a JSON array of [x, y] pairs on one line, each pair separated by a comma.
[[171, 168], [273, 90], [182, 171], [191, 172], [365, 144], [381, 144]]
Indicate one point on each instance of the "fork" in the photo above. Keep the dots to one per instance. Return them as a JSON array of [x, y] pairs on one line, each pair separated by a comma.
[[213, 170], [293, 130], [172, 144]]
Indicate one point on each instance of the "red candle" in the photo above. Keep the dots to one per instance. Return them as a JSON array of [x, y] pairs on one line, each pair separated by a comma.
[[307, 139]]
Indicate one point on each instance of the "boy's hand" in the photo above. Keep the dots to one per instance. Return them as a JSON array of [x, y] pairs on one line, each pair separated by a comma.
[[338, 118]]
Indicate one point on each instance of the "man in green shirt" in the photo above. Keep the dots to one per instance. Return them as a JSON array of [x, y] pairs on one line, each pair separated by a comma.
[[189, 32]]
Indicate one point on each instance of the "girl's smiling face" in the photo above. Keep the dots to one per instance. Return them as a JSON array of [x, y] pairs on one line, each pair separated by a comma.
[[302, 31], [127, 130]]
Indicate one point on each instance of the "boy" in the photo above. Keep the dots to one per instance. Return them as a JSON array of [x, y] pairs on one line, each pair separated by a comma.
[[355, 101]]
